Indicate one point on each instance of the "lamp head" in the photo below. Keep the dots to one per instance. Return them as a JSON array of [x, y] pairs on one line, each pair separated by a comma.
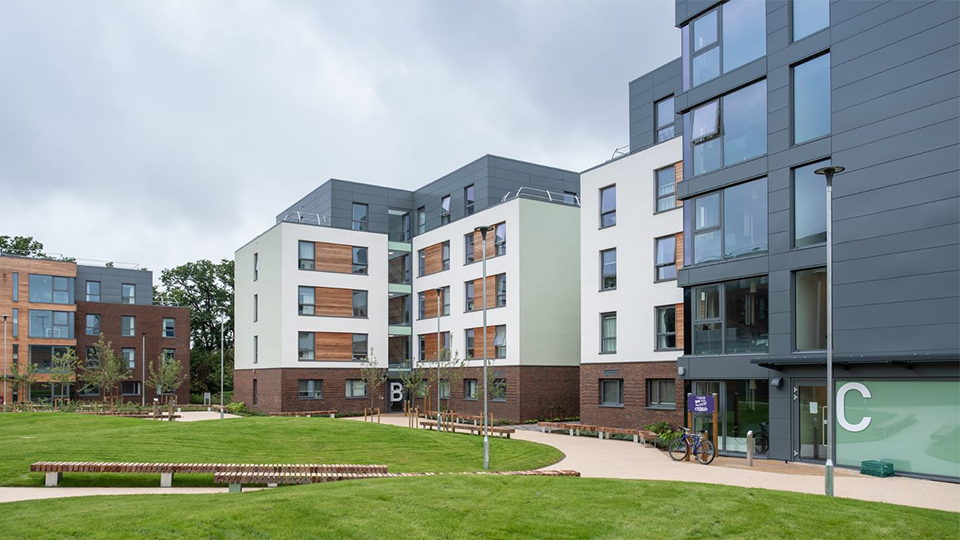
[[483, 230], [829, 170]]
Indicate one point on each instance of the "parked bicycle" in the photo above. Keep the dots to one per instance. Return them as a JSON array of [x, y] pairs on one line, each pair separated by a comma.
[[700, 445]]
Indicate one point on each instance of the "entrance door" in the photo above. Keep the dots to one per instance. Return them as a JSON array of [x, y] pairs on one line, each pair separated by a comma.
[[811, 440]]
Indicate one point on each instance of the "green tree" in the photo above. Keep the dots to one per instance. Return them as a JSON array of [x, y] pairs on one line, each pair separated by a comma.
[[205, 371], [106, 370], [452, 368], [21, 245], [207, 289], [374, 377], [166, 375], [22, 378], [63, 371]]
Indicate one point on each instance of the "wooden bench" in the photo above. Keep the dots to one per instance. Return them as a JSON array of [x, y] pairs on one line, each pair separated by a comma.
[[54, 469], [639, 435], [308, 414], [453, 426]]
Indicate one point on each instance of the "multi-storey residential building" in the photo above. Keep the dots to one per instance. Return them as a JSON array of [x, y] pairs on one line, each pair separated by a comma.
[[354, 271], [55, 304], [771, 92]]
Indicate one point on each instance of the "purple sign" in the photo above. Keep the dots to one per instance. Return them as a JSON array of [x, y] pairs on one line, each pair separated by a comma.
[[700, 404]]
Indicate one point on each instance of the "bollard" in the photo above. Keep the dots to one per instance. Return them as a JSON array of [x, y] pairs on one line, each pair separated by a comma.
[[750, 448]]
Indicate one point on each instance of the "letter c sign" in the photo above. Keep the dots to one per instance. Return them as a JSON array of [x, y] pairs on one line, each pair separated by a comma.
[[841, 417]]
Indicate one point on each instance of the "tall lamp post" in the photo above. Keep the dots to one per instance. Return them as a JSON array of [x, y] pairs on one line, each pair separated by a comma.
[[439, 293], [828, 173], [483, 230], [4, 363], [222, 323], [143, 367]]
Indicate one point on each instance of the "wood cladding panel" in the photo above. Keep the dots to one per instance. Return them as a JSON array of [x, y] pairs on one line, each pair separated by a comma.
[[334, 346], [430, 345], [491, 244], [430, 301], [491, 293], [433, 259], [678, 254], [678, 177], [478, 344], [679, 326], [334, 257], [332, 302]]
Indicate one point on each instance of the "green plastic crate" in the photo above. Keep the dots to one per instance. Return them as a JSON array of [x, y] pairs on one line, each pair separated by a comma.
[[873, 467]]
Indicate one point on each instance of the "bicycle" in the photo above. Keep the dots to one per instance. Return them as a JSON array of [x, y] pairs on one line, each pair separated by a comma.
[[701, 447]]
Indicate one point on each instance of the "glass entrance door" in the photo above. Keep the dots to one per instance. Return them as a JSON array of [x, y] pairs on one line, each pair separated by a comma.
[[812, 416]]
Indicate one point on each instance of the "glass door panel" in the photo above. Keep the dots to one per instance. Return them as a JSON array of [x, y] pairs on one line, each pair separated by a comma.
[[746, 408], [812, 423]]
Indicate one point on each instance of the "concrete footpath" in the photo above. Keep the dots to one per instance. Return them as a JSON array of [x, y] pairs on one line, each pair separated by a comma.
[[622, 459]]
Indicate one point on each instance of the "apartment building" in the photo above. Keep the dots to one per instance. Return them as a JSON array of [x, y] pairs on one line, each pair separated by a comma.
[[631, 246], [353, 272], [772, 91], [52, 305]]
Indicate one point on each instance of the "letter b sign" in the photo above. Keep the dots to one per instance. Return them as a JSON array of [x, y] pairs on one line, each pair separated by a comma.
[[396, 392]]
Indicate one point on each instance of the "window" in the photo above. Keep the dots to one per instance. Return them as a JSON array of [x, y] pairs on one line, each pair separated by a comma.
[[399, 225], [608, 269], [468, 247], [501, 290], [306, 345], [130, 388], [660, 394], [665, 119], [360, 217], [169, 353], [666, 263], [128, 294], [444, 389], [310, 389], [256, 307], [809, 205], [727, 38], [360, 260], [16, 322], [468, 200], [128, 326], [307, 301], [445, 293], [744, 222], [359, 303], [445, 210], [91, 359], [500, 239], [421, 305], [51, 289], [93, 325], [608, 206], [608, 333], [811, 99], [500, 341], [256, 266], [730, 131], [469, 389], [306, 250], [255, 393], [666, 328], [51, 324], [611, 392], [810, 304], [129, 356], [731, 317], [89, 391], [809, 16], [445, 255], [421, 220], [470, 340], [666, 189], [469, 293], [421, 262], [16, 287], [498, 389], [169, 328], [359, 347], [93, 291], [256, 349], [356, 388]]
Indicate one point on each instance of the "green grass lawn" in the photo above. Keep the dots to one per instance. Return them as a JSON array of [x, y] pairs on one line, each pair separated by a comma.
[[475, 507], [29, 437]]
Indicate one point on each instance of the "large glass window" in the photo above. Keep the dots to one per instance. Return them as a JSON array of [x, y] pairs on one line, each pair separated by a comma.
[[359, 260], [468, 200], [731, 131], [744, 225], [356, 388], [51, 324], [360, 217], [306, 345], [93, 291], [666, 189], [128, 293], [809, 205], [661, 394], [500, 239], [608, 269], [811, 309], [809, 16], [306, 255], [398, 270], [93, 325], [310, 389], [731, 317], [666, 115], [608, 332], [16, 287], [666, 328], [811, 99], [51, 289], [130, 388], [727, 38], [359, 303], [611, 392], [445, 210], [608, 206], [500, 341], [666, 263]]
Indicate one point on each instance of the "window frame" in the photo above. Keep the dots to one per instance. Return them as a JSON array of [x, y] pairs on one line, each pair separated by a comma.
[[603, 317], [306, 264], [719, 134], [469, 200], [603, 274], [658, 403], [499, 381], [657, 265], [500, 240], [316, 393], [360, 311], [359, 268], [791, 13], [499, 334], [123, 298], [467, 394], [360, 356], [671, 125], [129, 363], [313, 347], [362, 224], [256, 266], [500, 282], [139, 388], [656, 190], [720, 228], [718, 44], [794, 313], [469, 293], [421, 220], [88, 327], [173, 327], [16, 287], [350, 387], [469, 246], [619, 404], [657, 332], [86, 291], [793, 101], [445, 210], [123, 326], [613, 212], [721, 317], [306, 309], [470, 342], [793, 200]]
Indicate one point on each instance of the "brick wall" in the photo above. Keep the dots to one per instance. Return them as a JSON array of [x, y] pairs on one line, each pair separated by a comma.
[[634, 412], [277, 390]]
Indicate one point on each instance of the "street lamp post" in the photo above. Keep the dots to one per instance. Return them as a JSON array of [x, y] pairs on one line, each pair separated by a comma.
[[439, 293], [222, 323], [143, 369], [828, 173], [486, 418], [4, 363]]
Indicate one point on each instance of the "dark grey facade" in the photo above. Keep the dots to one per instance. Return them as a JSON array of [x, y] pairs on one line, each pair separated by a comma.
[[492, 177], [645, 92], [893, 124], [111, 283]]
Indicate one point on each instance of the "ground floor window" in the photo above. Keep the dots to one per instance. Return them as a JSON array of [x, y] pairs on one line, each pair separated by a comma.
[[310, 389], [660, 394], [130, 388], [611, 392], [254, 393], [742, 405], [44, 392], [445, 389], [356, 388], [470, 389], [498, 390]]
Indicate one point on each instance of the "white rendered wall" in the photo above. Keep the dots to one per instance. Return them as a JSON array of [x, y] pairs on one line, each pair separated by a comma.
[[636, 295]]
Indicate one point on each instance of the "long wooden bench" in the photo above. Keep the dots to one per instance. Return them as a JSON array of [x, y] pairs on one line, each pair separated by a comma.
[[644, 436], [453, 426], [54, 469], [308, 414]]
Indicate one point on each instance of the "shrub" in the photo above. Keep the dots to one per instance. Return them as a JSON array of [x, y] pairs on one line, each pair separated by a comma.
[[237, 408], [665, 433]]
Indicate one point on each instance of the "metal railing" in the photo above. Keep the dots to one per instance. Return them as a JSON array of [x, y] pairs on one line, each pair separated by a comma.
[[60, 257], [542, 195], [306, 218]]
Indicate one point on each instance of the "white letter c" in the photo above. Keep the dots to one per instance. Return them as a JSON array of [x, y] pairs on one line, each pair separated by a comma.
[[841, 417]]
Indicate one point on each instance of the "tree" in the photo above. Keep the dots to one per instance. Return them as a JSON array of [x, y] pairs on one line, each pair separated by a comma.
[[21, 245], [22, 379], [62, 371], [412, 382], [167, 376], [207, 289], [374, 377], [452, 368], [105, 370]]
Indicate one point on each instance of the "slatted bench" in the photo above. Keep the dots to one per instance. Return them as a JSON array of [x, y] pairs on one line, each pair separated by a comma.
[[54, 469], [308, 414], [453, 426], [639, 435]]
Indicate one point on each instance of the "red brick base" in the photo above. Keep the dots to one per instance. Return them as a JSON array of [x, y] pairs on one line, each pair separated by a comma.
[[634, 413]]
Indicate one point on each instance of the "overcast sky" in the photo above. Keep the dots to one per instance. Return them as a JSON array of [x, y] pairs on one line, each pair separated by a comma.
[[166, 132]]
